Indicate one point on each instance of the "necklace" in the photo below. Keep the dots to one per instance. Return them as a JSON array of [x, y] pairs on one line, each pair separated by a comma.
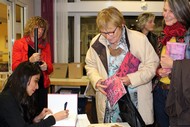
[[115, 52]]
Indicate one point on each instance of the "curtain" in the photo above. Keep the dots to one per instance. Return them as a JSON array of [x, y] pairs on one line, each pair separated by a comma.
[[47, 13]]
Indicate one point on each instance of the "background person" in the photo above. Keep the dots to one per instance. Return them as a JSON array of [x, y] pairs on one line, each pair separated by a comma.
[[145, 24], [18, 92], [106, 53], [24, 50], [175, 13]]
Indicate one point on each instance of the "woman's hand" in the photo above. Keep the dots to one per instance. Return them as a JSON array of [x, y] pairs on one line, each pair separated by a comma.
[[41, 116], [166, 61], [163, 72], [43, 66], [126, 81], [61, 115], [100, 86], [35, 57]]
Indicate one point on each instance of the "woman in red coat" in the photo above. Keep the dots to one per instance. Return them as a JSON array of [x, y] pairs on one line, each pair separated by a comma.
[[24, 50]]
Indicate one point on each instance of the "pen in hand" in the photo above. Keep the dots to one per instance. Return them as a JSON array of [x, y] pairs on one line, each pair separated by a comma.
[[65, 106]]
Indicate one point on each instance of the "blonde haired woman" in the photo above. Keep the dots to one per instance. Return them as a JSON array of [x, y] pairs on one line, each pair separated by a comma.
[[104, 57], [24, 50], [145, 24]]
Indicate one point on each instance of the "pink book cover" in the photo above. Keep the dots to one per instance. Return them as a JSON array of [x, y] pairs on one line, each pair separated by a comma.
[[129, 65], [176, 50], [116, 89]]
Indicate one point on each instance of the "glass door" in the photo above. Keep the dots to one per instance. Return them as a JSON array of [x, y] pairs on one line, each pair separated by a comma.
[[4, 52], [4, 43]]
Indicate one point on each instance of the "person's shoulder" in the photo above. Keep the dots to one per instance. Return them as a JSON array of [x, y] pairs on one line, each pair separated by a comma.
[[135, 34], [21, 41], [153, 34], [95, 39], [5, 97]]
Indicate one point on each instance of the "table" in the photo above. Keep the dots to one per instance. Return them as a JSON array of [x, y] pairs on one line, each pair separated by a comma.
[[84, 81], [84, 122], [66, 82], [125, 124]]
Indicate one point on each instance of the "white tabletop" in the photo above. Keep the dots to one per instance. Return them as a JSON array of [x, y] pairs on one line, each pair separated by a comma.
[[110, 125], [84, 122]]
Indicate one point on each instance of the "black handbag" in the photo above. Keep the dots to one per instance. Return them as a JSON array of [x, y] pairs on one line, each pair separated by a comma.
[[129, 113]]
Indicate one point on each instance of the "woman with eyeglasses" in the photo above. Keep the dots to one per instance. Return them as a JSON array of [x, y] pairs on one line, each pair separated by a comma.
[[104, 57]]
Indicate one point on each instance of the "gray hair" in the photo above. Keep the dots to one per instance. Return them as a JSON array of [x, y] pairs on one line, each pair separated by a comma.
[[143, 19], [181, 10]]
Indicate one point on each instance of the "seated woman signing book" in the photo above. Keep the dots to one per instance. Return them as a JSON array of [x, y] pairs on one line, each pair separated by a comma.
[[18, 94]]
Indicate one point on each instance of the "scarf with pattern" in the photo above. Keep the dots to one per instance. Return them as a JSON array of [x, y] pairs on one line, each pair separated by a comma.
[[41, 42], [177, 30]]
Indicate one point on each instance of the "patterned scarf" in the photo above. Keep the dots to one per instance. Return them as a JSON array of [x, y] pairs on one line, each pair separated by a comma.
[[177, 30], [41, 42]]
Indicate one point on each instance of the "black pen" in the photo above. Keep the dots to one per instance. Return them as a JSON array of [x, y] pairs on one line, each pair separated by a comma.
[[65, 106]]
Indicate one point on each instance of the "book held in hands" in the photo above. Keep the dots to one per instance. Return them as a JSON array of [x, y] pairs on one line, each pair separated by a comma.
[[176, 50], [116, 89]]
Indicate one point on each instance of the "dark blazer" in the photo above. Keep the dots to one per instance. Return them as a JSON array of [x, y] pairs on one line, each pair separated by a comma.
[[178, 99], [153, 40], [11, 113]]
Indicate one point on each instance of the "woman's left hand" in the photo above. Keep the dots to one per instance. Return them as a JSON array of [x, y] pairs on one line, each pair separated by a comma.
[[43, 66], [41, 116], [166, 61], [126, 81]]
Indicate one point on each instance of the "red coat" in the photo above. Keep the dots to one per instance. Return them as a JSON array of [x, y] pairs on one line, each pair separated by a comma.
[[20, 54]]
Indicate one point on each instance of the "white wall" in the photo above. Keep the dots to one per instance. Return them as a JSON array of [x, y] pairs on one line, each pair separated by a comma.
[[127, 7], [78, 9], [28, 5], [37, 7]]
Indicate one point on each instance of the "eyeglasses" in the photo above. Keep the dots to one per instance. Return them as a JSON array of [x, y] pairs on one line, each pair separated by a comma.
[[109, 33]]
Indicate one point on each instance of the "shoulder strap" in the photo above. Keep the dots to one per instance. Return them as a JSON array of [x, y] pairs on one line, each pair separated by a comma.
[[127, 39], [141, 121]]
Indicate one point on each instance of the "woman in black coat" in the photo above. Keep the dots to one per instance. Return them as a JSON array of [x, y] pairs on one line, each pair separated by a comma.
[[17, 100]]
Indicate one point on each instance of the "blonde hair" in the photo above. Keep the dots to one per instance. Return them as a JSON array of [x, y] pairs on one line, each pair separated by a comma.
[[110, 15], [34, 22], [143, 19]]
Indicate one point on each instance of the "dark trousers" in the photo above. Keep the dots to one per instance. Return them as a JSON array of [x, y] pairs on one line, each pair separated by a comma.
[[159, 97]]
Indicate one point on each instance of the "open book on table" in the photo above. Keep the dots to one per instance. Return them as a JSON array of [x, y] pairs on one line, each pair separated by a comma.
[[56, 103]]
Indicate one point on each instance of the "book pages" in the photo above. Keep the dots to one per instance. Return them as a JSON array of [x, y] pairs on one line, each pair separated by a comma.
[[56, 103]]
